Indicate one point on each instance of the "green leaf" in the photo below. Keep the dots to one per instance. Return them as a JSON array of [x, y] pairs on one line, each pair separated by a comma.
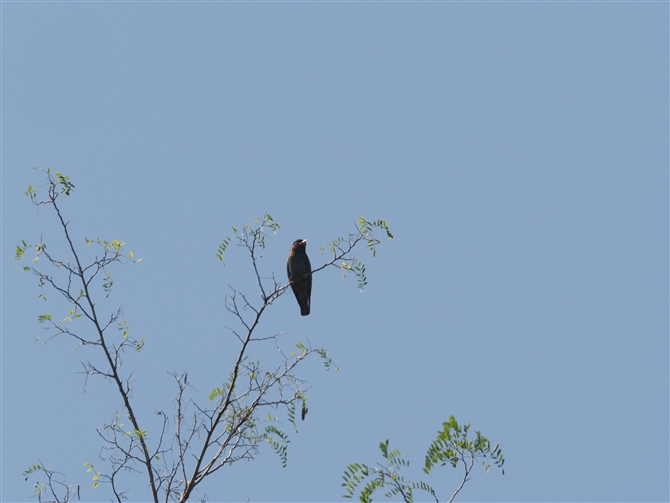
[[223, 246], [278, 441], [20, 251], [67, 186], [31, 470]]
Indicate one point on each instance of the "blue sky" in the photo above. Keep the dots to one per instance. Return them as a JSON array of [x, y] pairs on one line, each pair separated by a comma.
[[518, 151]]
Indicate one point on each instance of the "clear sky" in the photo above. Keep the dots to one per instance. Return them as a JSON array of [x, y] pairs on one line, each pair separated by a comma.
[[518, 151]]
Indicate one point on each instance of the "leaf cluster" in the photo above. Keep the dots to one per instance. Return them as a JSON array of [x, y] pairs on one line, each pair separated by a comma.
[[343, 248], [451, 446], [382, 476]]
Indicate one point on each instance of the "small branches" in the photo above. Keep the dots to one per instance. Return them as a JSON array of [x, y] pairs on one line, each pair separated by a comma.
[[451, 446], [78, 289], [234, 425], [55, 489], [343, 248]]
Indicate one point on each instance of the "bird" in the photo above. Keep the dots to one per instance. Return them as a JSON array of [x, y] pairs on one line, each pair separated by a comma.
[[299, 272]]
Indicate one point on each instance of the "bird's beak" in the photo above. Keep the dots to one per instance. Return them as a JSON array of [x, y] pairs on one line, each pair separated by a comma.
[[304, 242]]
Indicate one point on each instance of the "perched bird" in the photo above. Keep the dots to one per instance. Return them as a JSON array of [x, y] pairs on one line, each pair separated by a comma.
[[299, 272]]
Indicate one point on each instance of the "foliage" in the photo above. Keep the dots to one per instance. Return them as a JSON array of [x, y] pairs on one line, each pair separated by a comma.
[[54, 487], [451, 446], [241, 413], [382, 476]]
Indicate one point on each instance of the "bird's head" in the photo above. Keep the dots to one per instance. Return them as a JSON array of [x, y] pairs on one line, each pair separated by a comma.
[[299, 245]]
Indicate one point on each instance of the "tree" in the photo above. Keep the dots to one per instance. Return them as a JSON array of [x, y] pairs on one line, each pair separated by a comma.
[[239, 416], [451, 446]]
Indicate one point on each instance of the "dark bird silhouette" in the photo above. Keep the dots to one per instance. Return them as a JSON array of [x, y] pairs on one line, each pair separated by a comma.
[[299, 272]]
